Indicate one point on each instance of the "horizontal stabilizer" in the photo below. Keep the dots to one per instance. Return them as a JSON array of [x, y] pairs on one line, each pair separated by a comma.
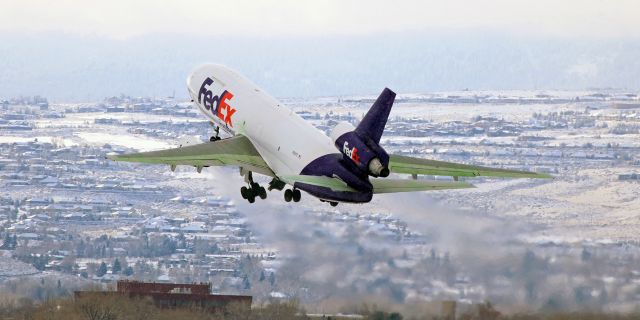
[[235, 151], [381, 185], [334, 184], [409, 165], [387, 185]]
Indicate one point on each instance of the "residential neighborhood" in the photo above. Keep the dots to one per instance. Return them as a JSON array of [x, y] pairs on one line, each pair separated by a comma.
[[67, 210]]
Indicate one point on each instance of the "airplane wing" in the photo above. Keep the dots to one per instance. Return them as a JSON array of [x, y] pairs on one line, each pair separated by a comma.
[[235, 151], [381, 185], [387, 185], [409, 165]]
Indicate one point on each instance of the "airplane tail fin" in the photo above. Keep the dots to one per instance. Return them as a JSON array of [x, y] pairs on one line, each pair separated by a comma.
[[372, 125]]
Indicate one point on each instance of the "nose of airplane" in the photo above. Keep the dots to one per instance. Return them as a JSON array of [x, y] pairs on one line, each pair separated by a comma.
[[200, 74], [196, 77], [190, 84]]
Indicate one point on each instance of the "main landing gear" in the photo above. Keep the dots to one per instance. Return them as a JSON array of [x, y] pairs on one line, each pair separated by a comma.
[[292, 194], [253, 190], [289, 194]]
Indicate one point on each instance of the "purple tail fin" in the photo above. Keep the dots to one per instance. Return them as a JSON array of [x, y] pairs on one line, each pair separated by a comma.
[[372, 125]]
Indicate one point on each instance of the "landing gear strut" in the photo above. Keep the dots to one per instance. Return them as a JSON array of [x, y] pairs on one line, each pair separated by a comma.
[[216, 130], [292, 194], [276, 184], [253, 190]]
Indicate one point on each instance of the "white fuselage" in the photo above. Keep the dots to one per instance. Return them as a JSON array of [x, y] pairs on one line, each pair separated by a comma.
[[286, 142]]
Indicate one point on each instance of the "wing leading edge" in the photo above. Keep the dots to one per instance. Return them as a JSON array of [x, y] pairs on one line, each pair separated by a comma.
[[409, 165], [235, 151]]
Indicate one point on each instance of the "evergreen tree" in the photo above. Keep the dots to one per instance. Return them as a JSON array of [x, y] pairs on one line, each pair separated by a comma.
[[116, 266], [40, 262], [102, 270], [7, 241], [128, 271], [245, 282]]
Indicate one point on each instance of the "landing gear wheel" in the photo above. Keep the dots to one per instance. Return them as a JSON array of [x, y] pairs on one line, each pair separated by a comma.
[[262, 193], [333, 203], [288, 195], [214, 138], [251, 198], [296, 195], [244, 191]]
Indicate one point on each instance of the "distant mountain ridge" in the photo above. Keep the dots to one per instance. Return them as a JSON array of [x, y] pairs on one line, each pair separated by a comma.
[[81, 68]]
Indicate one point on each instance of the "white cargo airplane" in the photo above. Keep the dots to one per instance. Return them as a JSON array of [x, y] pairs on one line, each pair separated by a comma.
[[270, 139]]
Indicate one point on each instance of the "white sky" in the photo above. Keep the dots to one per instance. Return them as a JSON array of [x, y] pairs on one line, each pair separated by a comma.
[[126, 18]]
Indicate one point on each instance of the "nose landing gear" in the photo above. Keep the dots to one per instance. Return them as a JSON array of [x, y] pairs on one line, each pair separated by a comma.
[[216, 130]]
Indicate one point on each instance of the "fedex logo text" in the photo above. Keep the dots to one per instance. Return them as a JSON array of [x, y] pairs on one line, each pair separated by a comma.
[[218, 105], [351, 153]]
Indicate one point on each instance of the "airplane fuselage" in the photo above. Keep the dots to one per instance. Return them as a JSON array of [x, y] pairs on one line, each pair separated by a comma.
[[289, 144]]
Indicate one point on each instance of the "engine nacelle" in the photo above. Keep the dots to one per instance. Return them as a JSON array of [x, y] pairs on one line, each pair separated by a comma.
[[367, 155]]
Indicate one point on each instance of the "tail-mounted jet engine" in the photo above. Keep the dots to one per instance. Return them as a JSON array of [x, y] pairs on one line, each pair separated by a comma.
[[365, 153]]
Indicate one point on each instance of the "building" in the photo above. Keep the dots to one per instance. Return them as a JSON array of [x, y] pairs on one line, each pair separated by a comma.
[[629, 176], [147, 287], [174, 295]]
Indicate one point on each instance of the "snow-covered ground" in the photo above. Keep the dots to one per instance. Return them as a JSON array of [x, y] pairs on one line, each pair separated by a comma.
[[123, 140], [10, 267]]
